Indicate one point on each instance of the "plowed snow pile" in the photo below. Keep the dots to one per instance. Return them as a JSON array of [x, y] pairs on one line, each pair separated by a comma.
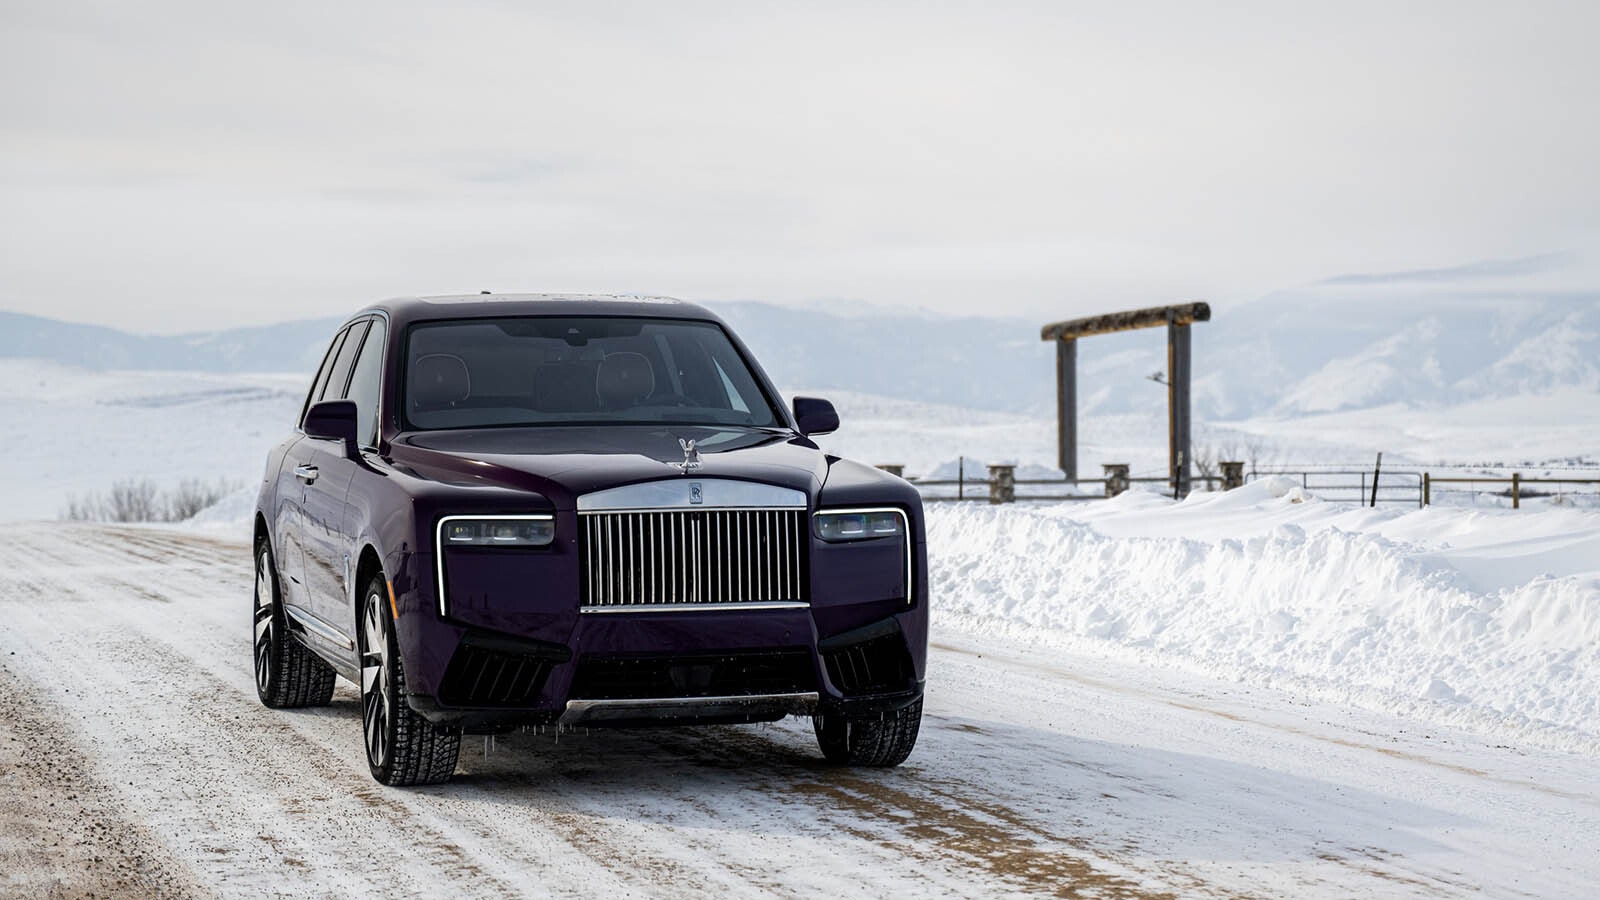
[[1488, 619]]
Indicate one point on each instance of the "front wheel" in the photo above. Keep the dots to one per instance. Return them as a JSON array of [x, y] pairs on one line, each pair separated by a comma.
[[880, 740], [402, 747]]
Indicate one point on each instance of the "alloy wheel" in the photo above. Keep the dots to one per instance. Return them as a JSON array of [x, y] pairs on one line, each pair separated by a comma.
[[375, 697], [265, 629]]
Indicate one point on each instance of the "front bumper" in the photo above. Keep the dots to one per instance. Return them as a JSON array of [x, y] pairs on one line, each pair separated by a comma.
[[650, 668]]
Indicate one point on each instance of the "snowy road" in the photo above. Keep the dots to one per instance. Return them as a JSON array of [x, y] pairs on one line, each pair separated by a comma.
[[134, 758]]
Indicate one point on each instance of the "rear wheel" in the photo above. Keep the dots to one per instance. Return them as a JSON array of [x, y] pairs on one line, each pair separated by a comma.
[[402, 747], [881, 740], [288, 675]]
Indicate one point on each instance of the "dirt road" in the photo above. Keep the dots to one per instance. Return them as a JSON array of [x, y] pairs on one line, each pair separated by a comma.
[[136, 760]]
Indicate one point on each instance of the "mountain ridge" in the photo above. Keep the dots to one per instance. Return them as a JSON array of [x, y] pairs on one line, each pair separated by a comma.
[[1319, 349]]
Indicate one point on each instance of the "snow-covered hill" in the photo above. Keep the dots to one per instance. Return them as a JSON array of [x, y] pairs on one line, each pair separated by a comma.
[[1320, 349], [287, 347]]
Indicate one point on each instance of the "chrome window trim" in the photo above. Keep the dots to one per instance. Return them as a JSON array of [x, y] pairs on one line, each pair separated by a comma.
[[388, 329], [438, 542], [383, 373], [905, 528]]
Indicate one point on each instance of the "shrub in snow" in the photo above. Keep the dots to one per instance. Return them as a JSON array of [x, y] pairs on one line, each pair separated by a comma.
[[141, 500]]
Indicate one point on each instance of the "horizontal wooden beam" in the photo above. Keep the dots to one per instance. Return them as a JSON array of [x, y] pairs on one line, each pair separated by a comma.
[[1181, 314]]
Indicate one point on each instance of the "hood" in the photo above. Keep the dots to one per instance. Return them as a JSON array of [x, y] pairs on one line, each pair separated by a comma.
[[563, 462]]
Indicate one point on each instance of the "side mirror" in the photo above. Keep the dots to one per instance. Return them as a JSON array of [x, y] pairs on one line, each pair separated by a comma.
[[814, 415], [334, 420]]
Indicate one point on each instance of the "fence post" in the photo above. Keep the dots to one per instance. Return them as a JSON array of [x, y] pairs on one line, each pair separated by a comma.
[[895, 469], [1116, 478], [1232, 475], [961, 478], [1516, 490], [1427, 489], [1002, 484], [1377, 474]]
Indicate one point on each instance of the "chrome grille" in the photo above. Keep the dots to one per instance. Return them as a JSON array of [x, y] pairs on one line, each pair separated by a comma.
[[693, 557]]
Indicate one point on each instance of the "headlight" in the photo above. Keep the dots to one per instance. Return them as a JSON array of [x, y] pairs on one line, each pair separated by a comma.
[[497, 531], [859, 525]]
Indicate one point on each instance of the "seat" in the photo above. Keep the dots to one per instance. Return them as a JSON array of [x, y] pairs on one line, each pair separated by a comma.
[[439, 381], [623, 379]]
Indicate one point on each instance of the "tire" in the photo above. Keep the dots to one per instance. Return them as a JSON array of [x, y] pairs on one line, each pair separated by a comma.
[[879, 741], [403, 748], [288, 675]]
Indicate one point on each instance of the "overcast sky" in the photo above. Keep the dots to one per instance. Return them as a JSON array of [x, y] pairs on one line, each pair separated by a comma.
[[174, 165]]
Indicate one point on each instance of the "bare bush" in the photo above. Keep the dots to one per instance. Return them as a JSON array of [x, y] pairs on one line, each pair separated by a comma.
[[1205, 462], [193, 495], [1260, 452], [141, 500], [1211, 452], [135, 501]]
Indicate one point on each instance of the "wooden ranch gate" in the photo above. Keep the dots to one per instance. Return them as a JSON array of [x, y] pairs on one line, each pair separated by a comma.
[[1177, 319]]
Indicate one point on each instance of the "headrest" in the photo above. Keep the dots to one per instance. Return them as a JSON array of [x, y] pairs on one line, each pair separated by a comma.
[[624, 379], [439, 379]]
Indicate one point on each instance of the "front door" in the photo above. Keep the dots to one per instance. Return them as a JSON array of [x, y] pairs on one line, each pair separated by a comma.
[[324, 471]]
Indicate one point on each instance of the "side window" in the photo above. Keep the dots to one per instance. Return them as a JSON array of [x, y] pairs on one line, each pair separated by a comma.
[[365, 383], [320, 382], [340, 376]]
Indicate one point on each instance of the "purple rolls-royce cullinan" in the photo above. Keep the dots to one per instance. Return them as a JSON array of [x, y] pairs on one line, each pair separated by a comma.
[[579, 511]]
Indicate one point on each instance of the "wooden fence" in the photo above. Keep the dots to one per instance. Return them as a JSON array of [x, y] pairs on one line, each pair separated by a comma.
[[1002, 483], [1516, 481], [1346, 485]]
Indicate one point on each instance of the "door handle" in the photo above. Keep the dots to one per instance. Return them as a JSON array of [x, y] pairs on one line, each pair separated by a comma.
[[307, 474]]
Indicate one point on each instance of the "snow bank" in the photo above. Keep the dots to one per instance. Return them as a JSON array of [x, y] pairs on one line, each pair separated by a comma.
[[1485, 619], [232, 516]]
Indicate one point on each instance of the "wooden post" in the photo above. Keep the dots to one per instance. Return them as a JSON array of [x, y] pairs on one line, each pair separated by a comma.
[[895, 469], [1067, 407], [1116, 478], [1178, 367], [1002, 484], [1232, 475], [961, 478], [1516, 490], [1377, 470], [1427, 489]]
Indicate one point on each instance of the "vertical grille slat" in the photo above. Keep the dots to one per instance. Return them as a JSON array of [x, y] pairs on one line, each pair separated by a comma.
[[697, 557]]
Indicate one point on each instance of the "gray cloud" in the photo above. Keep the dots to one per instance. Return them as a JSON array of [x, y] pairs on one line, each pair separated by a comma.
[[170, 165]]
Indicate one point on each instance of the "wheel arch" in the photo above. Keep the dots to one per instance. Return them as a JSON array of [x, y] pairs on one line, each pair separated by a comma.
[[368, 564]]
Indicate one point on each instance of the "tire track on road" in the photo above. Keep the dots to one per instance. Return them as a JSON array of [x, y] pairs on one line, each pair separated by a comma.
[[61, 834]]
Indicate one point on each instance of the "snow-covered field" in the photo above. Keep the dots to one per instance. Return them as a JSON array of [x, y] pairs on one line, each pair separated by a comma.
[[124, 665], [1258, 692], [70, 432]]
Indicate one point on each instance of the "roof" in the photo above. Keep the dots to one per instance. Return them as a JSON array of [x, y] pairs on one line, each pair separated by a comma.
[[486, 305]]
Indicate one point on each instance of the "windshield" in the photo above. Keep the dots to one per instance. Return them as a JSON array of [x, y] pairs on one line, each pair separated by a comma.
[[475, 373]]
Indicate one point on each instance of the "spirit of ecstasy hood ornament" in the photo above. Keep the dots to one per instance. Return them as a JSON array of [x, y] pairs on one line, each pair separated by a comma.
[[691, 456]]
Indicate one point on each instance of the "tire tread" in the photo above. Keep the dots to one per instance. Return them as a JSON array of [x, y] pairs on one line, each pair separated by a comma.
[[881, 741]]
